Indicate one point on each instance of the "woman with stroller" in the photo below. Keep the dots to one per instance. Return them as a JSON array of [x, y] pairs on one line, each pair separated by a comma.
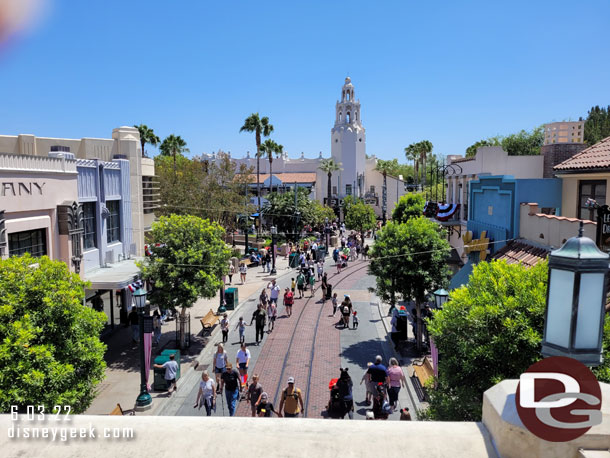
[[341, 397]]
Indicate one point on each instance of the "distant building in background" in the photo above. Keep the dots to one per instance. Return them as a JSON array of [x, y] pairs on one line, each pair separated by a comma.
[[562, 140], [358, 176]]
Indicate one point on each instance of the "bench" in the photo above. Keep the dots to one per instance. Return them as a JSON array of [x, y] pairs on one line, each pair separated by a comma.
[[209, 320], [118, 410], [422, 372]]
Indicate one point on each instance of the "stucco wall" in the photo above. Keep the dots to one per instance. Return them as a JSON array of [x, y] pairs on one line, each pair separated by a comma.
[[569, 204]]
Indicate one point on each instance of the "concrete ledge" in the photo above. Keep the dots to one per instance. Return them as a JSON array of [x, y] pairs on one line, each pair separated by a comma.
[[253, 437]]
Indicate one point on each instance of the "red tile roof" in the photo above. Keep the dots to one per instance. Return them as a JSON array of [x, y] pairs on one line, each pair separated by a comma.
[[520, 251], [309, 177], [593, 157]]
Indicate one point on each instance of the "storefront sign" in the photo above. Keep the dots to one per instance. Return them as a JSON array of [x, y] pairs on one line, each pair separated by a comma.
[[21, 188], [603, 228]]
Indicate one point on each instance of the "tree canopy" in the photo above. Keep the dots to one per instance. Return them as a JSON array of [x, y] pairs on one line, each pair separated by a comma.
[[189, 261], [50, 351], [523, 143], [147, 135], [597, 124], [360, 217], [410, 205]]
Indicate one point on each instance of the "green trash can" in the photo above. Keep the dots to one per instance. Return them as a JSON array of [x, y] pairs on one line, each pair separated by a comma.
[[293, 260], [231, 298]]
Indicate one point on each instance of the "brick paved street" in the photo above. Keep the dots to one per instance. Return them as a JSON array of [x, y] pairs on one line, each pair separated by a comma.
[[308, 346]]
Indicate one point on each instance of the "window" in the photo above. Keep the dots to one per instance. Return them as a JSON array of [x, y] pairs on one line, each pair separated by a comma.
[[334, 190], [113, 228], [89, 222], [373, 190], [33, 242], [348, 189], [590, 189]]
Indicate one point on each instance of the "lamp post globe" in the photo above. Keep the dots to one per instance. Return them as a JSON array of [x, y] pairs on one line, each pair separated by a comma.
[[576, 299], [273, 234], [440, 297], [144, 399]]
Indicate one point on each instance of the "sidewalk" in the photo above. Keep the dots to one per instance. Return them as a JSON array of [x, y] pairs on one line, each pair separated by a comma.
[[122, 375]]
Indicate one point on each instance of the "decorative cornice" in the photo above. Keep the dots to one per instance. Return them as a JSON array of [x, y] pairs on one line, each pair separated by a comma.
[[22, 163]]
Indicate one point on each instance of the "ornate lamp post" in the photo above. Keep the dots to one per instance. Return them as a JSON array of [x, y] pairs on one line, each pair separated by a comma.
[[144, 400], [273, 234], [576, 299], [440, 297]]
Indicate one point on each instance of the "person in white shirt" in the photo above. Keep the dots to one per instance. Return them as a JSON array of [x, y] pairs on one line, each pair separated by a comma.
[[220, 362], [243, 270], [274, 291], [207, 394], [243, 360]]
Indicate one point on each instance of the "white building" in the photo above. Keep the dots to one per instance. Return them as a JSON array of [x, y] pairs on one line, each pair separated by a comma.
[[357, 176]]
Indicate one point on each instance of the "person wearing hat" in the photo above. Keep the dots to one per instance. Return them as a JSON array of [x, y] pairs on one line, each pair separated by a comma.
[[346, 310], [264, 408], [291, 400]]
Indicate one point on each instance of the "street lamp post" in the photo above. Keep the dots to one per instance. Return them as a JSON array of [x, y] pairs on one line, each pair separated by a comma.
[[144, 399], [576, 300], [440, 297], [273, 234]]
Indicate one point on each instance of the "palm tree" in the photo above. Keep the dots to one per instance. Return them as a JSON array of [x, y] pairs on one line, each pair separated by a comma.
[[412, 154], [260, 126], [269, 148], [147, 135], [173, 145], [383, 167], [420, 150], [329, 166]]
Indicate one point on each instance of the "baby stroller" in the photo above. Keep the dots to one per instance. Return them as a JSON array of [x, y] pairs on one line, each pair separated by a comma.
[[337, 408], [343, 260]]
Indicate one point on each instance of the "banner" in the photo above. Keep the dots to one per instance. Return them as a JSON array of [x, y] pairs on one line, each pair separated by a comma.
[[147, 357]]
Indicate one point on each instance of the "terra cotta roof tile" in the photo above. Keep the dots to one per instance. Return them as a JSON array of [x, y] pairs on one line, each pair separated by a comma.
[[593, 157]]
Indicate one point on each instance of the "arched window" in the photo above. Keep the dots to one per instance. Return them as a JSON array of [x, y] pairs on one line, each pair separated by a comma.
[[340, 116], [348, 118], [348, 95]]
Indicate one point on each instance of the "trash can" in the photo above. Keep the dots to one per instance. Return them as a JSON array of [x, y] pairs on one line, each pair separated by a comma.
[[231, 298], [159, 382], [402, 322], [293, 260]]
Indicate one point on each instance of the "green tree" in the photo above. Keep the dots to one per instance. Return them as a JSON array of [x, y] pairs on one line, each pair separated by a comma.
[[420, 150], [597, 125], [173, 146], [489, 330], [524, 143], [50, 351], [189, 261], [384, 167], [329, 166], [269, 148], [260, 126], [147, 135], [409, 206], [320, 213], [410, 259], [361, 217], [290, 219], [471, 151]]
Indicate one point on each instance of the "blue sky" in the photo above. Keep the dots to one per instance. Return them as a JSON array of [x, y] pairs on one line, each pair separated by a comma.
[[452, 72]]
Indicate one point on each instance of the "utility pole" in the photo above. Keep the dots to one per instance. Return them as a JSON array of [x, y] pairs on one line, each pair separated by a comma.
[[246, 220]]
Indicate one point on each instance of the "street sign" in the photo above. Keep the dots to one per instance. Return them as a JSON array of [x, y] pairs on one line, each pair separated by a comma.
[[603, 228], [148, 324]]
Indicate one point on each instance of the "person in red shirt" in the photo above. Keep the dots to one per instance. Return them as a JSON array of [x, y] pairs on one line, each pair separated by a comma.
[[288, 301]]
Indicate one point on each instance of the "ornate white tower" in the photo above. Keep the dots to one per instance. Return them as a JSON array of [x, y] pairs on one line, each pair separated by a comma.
[[348, 142]]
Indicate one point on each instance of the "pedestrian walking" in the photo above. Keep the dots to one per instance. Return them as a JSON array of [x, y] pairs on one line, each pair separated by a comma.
[[243, 361], [221, 359], [264, 408], [272, 314], [274, 291], [320, 269], [344, 387], [231, 272], [291, 403], [288, 301], [157, 327], [312, 284], [263, 298], [229, 382], [241, 326], [301, 284], [355, 319], [171, 369], [224, 327], [293, 285], [206, 396], [268, 261], [378, 372], [334, 301], [346, 310], [255, 390], [368, 383], [259, 317], [134, 321], [243, 270], [324, 286], [263, 262], [396, 379]]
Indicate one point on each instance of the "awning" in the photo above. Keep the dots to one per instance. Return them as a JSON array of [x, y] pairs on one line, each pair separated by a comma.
[[115, 276]]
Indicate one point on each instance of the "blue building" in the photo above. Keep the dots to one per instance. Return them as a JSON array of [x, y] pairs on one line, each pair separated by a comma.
[[104, 192], [495, 208]]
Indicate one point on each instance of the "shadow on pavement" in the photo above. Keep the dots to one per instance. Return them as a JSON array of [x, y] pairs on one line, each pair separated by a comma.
[[363, 352]]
